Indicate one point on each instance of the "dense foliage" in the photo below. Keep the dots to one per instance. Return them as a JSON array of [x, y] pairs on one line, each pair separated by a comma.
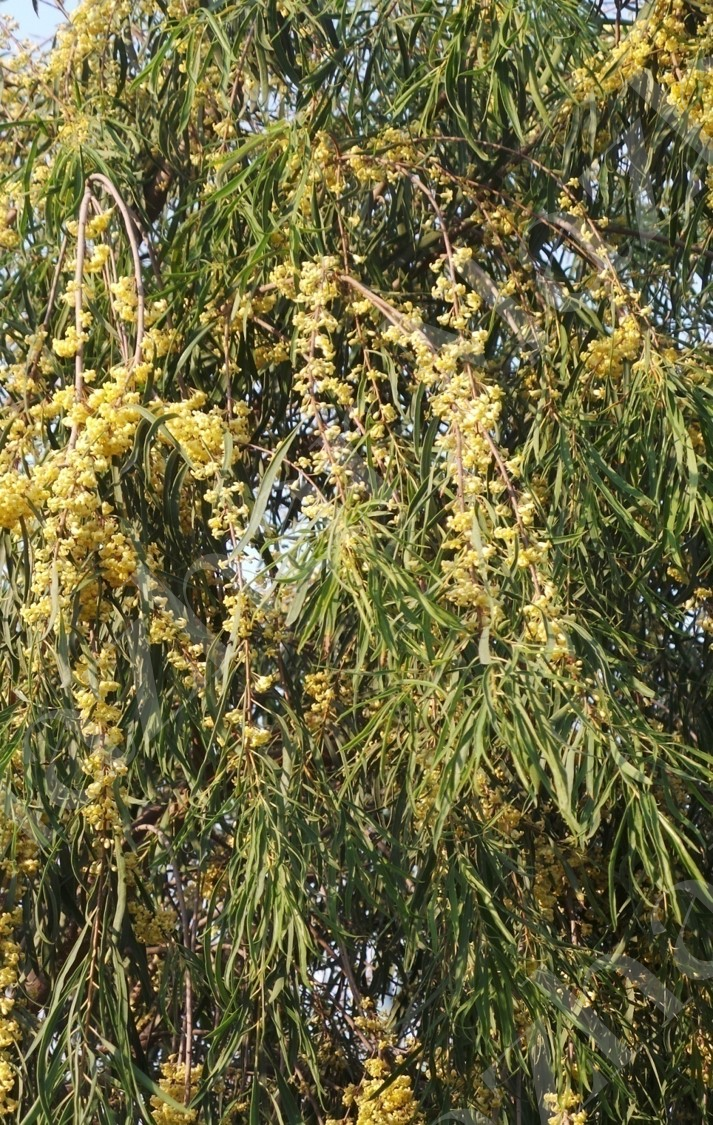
[[356, 514]]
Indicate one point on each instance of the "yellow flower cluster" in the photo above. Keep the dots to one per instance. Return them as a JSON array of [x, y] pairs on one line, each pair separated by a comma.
[[97, 225], [86, 34], [562, 1105], [383, 1100], [489, 521], [152, 927], [9, 236], [159, 340], [252, 736], [700, 608], [15, 498], [228, 516], [124, 298], [68, 345], [18, 849], [317, 381], [173, 1083], [10, 1033], [178, 9], [605, 357], [691, 92], [83, 540], [543, 625], [331, 169], [186, 656], [470, 410], [98, 259], [94, 683], [319, 687], [201, 435], [19, 863], [325, 166], [101, 810], [388, 149], [550, 880], [84, 547], [656, 34], [284, 279]]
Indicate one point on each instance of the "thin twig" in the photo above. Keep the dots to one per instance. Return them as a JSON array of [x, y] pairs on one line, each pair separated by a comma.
[[130, 228]]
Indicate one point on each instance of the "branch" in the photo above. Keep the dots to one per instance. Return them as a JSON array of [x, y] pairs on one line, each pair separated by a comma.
[[130, 228]]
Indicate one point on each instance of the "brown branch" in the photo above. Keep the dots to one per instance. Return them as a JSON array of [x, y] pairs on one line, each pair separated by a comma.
[[130, 227]]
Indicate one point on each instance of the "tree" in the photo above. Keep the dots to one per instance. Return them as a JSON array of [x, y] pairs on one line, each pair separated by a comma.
[[357, 517]]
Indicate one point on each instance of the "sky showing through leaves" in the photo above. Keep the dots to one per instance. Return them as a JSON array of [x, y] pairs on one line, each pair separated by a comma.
[[40, 25]]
